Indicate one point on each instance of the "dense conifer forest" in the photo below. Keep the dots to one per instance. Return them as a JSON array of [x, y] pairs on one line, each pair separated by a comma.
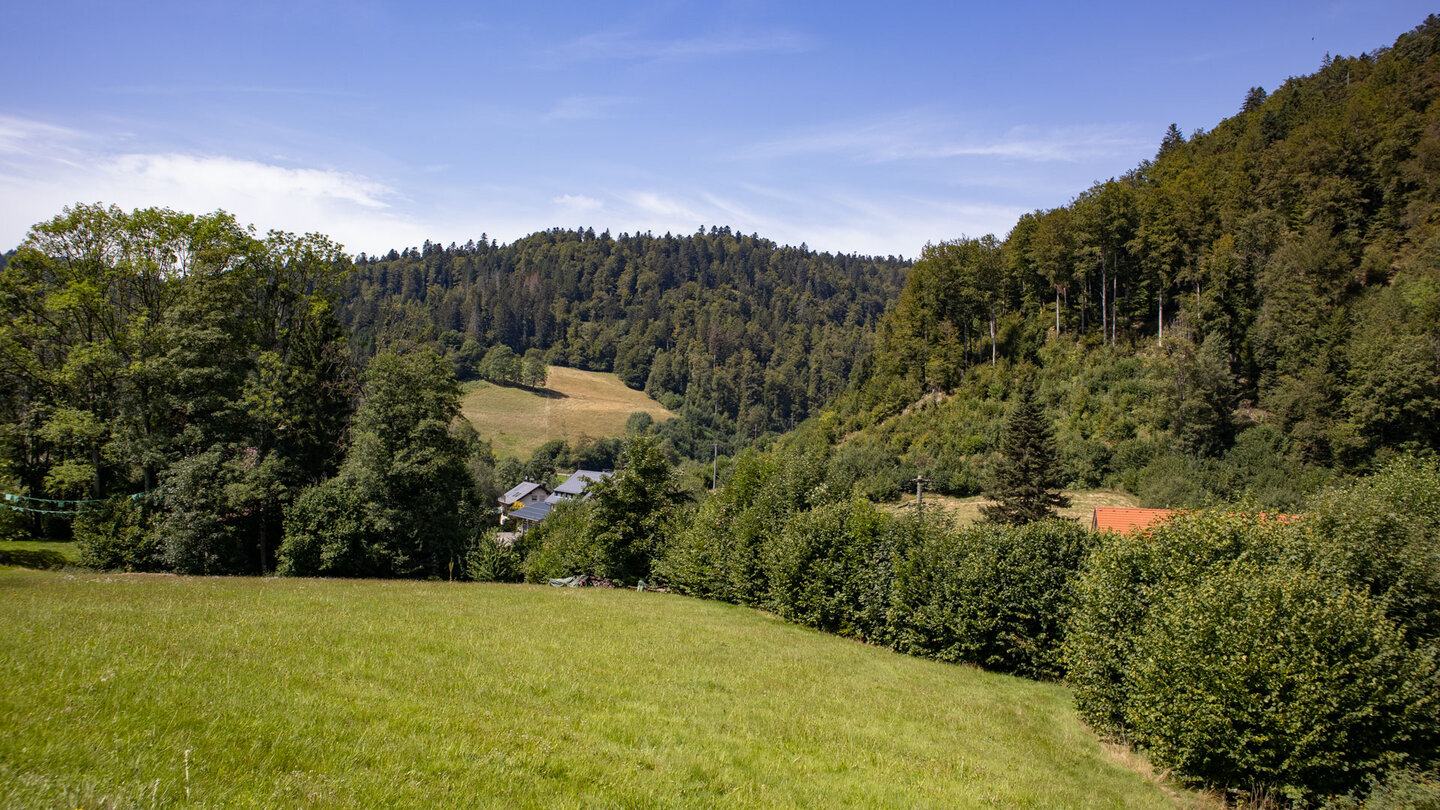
[[740, 336]]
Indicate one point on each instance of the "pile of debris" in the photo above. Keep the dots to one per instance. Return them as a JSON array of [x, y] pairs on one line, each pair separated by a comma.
[[587, 581]]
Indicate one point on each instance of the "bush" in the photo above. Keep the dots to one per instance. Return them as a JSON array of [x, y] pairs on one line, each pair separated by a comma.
[[198, 525], [564, 544], [717, 550], [329, 533], [1280, 676], [1382, 535], [118, 536], [1125, 576], [832, 568], [995, 596], [489, 560], [1399, 789]]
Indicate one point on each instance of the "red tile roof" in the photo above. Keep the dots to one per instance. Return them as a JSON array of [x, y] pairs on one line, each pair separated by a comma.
[[1124, 520]]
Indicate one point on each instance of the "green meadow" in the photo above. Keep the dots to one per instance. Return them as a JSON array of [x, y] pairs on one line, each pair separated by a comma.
[[140, 691]]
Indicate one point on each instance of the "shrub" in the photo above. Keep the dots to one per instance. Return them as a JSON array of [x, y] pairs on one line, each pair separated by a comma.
[[1124, 576], [717, 551], [1398, 789], [995, 596], [489, 560], [1382, 535], [198, 525], [118, 536], [831, 568], [329, 533], [1280, 676], [564, 544]]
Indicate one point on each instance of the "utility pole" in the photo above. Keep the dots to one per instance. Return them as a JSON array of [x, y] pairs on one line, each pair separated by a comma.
[[919, 494]]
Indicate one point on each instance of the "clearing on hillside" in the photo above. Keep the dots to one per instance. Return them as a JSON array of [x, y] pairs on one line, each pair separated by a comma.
[[574, 403], [133, 690], [967, 510]]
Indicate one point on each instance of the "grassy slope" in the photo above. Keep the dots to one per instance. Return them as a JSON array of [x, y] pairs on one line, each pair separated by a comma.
[[589, 403], [1082, 503], [363, 693]]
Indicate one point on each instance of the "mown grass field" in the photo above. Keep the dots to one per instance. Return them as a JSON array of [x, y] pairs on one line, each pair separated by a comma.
[[967, 510], [132, 690], [67, 550], [581, 403]]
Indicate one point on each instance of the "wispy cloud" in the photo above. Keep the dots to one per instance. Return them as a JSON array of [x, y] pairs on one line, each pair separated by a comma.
[[584, 108], [45, 167], [214, 90], [578, 202], [673, 212], [628, 46], [929, 137]]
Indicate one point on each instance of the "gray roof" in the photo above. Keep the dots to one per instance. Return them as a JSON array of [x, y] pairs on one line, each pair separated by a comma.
[[535, 512], [520, 491], [578, 481]]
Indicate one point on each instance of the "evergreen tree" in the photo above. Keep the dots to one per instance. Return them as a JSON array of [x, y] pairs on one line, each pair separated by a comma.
[[1027, 478]]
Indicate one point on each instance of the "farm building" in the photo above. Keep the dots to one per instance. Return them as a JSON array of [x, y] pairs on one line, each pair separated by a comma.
[[1123, 520], [522, 495], [576, 485]]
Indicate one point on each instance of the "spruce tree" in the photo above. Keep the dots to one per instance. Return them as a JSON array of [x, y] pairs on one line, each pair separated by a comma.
[[1027, 480]]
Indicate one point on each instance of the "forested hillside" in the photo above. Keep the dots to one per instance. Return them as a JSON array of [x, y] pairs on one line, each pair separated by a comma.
[[741, 337], [1254, 308]]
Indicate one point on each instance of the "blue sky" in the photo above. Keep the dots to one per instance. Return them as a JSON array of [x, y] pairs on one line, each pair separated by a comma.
[[850, 126]]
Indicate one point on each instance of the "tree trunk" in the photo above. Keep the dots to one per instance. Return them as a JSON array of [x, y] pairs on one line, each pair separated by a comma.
[[1104, 313], [1057, 309], [1160, 324], [992, 337]]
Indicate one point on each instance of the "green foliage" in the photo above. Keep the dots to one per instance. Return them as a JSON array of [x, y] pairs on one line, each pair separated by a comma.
[[632, 510], [395, 507], [831, 568], [199, 524], [998, 597], [329, 531], [1123, 580], [718, 549], [533, 370], [1297, 655], [501, 365], [741, 337], [119, 535], [489, 559], [1279, 676], [1397, 789], [1280, 270], [1382, 535], [138, 343], [565, 544]]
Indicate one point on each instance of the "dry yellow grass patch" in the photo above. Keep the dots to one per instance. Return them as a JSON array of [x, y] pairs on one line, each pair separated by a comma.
[[576, 404], [1082, 504]]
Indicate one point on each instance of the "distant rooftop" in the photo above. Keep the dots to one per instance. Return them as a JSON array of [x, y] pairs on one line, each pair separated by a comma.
[[1124, 520], [520, 491], [535, 512], [579, 481]]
